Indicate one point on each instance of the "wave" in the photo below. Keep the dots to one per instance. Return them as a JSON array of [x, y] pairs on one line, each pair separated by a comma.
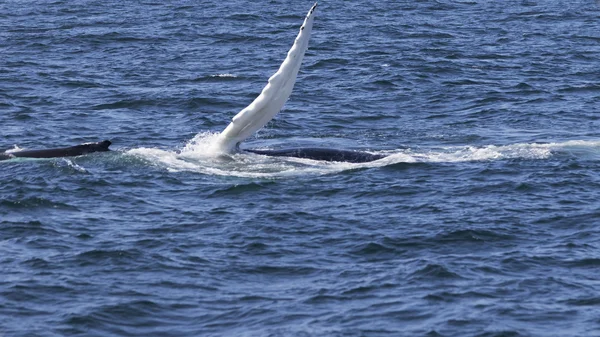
[[201, 155]]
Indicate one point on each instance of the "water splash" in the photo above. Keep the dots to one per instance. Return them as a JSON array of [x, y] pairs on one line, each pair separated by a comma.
[[69, 164], [204, 144], [202, 155], [16, 148]]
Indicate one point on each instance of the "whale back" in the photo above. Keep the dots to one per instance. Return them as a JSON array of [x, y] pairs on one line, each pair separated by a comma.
[[71, 151], [322, 154]]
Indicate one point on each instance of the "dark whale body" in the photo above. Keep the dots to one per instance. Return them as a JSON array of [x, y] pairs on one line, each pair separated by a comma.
[[306, 153], [322, 154], [71, 151]]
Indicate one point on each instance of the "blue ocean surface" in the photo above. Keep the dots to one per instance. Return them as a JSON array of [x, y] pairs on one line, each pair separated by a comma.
[[484, 220]]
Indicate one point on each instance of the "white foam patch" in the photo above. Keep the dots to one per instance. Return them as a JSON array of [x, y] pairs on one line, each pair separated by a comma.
[[584, 149], [69, 163], [203, 145], [486, 153], [202, 155], [15, 149], [224, 75]]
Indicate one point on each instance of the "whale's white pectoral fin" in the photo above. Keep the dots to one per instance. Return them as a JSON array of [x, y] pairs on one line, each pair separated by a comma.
[[273, 96]]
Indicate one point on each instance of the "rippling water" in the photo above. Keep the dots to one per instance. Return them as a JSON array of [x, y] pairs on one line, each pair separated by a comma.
[[483, 220]]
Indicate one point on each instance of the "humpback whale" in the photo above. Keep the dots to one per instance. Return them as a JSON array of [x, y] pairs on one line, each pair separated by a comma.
[[249, 120], [271, 101], [71, 151]]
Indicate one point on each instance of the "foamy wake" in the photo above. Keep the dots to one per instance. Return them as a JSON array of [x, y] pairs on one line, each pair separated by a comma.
[[202, 155], [16, 148], [223, 76]]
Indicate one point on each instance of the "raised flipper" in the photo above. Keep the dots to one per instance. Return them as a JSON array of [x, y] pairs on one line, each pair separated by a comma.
[[273, 96]]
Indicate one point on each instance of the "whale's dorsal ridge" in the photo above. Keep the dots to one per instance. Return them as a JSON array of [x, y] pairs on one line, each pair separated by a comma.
[[273, 96], [71, 151]]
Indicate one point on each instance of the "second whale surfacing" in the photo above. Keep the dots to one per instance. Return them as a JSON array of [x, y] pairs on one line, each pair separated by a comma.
[[271, 101], [72, 151]]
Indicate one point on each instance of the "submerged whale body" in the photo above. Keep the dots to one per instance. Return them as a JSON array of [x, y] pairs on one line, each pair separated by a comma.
[[322, 154], [72, 151]]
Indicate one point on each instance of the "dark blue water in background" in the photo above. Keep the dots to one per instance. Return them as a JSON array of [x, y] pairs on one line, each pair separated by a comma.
[[484, 221]]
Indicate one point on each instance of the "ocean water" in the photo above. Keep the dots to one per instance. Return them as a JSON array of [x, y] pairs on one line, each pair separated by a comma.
[[483, 221]]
